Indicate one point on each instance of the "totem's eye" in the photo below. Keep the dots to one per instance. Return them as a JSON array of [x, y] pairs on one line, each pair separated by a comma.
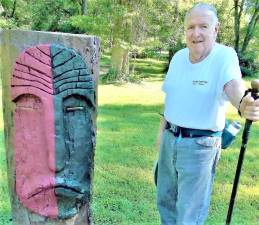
[[28, 102], [74, 108]]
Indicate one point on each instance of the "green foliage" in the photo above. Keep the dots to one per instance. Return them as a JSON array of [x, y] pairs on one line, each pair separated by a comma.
[[86, 25], [15, 14], [226, 32], [7, 24], [249, 64], [7, 5], [51, 15], [111, 20]]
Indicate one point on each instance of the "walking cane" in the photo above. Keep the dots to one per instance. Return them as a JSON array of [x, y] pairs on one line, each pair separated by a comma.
[[246, 132]]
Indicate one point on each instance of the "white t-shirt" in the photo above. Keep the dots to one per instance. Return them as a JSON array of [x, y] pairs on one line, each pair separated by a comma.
[[195, 95]]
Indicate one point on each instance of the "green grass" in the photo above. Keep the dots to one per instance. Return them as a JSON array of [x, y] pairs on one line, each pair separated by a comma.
[[128, 118], [150, 69]]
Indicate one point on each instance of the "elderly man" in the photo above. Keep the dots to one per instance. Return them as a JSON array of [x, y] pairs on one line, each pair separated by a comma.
[[200, 79]]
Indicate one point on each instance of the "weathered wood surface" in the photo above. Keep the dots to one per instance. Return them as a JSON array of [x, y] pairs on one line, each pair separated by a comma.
[[12, 43]]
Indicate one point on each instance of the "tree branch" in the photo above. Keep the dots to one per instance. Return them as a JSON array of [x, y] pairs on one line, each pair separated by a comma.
[[250, 29]]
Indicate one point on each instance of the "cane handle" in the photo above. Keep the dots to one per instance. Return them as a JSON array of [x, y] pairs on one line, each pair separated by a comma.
[[255, 84]]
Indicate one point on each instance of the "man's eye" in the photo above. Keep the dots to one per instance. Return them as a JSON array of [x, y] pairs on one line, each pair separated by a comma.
[[204, 26], [74, 108]]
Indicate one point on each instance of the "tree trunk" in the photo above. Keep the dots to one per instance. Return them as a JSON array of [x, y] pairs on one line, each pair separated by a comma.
[[251, 28], [238, 14], [84, 7], [119, 62]]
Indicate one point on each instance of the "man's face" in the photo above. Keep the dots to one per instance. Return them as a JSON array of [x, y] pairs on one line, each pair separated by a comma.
[[53, 130], [201, 33]]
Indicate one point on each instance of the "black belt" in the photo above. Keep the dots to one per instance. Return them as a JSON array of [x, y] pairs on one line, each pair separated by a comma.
[[190, 133]]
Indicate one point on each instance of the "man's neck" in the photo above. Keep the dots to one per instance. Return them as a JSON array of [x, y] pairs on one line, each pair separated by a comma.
[[196, 57]]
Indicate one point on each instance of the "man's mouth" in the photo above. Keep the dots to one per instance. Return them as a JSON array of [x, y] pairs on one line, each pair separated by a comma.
[[196, 42]]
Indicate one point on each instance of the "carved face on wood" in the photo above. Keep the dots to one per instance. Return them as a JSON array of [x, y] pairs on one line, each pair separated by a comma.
[[53, 132]]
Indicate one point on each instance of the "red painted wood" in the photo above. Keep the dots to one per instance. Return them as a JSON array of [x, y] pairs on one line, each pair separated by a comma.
[[26, 69], [28, 59], [23, 79], [42, 54], [45, 49], [34, 134]]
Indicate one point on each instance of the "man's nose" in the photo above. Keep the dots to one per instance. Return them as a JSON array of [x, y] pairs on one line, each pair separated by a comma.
[[196, 31]]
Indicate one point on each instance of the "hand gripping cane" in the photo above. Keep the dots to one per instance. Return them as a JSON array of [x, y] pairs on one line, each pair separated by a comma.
[[246, 132]]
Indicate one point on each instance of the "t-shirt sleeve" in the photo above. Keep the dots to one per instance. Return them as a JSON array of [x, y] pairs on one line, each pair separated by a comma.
[[231, 69], [166, 82]]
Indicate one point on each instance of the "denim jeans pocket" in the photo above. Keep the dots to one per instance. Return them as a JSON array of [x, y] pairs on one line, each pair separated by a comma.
[[213, 144], [209, 142]]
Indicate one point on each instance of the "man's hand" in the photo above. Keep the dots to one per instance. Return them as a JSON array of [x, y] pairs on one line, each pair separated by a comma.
[[249, 108]]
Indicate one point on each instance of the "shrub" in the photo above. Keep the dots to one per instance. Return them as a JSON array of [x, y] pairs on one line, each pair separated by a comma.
[[248, 64]]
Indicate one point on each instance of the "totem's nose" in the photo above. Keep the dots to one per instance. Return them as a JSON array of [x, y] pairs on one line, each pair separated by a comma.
[[62, 154]]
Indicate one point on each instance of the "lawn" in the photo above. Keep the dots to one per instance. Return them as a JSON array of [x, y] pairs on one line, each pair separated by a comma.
[[149, 69], [124, 193]]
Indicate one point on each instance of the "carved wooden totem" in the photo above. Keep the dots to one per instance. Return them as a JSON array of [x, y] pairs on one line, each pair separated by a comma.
[[50, 134]]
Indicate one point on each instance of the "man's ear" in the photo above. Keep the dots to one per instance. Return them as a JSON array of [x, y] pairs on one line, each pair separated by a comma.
[[217, 28]]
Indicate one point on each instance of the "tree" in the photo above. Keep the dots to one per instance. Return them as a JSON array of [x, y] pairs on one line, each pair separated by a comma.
[[251, 26], [121, 24], [51, 15], [246, 15], [83, 7], [15, 14], [250, 9]]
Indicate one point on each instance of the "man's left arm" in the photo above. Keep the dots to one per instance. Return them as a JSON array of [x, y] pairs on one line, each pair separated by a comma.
[[248, 107]]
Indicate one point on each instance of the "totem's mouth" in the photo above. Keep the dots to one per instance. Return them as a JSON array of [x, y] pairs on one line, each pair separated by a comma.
[[59, 190], [68, 191]]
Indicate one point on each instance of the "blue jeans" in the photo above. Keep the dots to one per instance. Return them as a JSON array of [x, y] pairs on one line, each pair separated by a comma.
[[186, 169]]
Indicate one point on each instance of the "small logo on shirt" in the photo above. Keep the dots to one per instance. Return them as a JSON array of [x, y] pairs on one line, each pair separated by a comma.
[[199, 82]]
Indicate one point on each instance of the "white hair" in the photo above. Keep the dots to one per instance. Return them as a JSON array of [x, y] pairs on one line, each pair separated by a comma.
[[204, 6]]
